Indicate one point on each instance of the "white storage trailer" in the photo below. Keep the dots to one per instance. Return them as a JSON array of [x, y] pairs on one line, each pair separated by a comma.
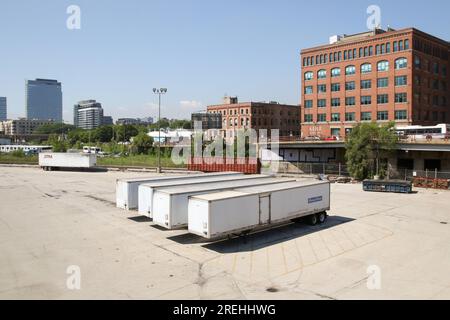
[[147, 190], [52, 160], [170, 205], [216, 215], [127, 189]]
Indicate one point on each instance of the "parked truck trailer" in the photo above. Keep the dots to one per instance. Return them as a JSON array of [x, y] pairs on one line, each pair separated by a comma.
[[217, 215], [170, 205], [146, 191], [57, 160], [127, 189]]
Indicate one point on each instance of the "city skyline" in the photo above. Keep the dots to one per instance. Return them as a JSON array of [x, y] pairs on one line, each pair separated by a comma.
[[199, 50]]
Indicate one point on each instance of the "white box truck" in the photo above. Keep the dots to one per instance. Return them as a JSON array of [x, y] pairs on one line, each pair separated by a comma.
[[127, 189], [220, 214], [147, 190], [170, 206], [55, 160]]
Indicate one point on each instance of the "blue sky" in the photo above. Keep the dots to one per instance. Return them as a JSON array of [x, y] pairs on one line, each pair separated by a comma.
[[198, 49]]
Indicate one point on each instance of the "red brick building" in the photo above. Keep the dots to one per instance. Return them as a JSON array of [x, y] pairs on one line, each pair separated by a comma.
[[258, 115], [400, 76]]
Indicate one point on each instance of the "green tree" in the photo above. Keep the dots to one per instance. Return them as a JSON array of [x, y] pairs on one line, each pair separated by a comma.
[[57, 143], [125, 132], [365, 145], [103, 134], [55, 128], [142, 143]]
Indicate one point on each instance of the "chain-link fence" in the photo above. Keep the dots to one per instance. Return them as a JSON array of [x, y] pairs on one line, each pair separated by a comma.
[[313, 168], [407, 174], [339, 169]]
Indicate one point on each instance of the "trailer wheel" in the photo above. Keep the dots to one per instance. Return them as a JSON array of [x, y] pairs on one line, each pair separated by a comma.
[[322, 216], [313, 219]]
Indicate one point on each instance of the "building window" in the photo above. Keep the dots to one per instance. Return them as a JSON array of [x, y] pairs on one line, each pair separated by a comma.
[[417, 62], [401, 98], [366, 116], [366, 100], [382, 115], [383, 66], [309, 75], [335, 117], [401, 115], [308, 90], [436, 68], [378, 49], [336, 72], [388, 47], [401, 63], [336, 102], [395, 46], [350, 70], [382, 82], [335, 132], [406, 44], [366, 84], [350, 116], [349, 86], [322, 117], [335, 87], [401, 81], [308, 118], [382, 99], [322, 74], [350, 101], [321, 103], [308, 104], [366, 68], [321, 88], [400, 45]]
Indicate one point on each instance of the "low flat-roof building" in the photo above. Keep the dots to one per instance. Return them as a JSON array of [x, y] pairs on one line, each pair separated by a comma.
[[258, 115], [22, 126]]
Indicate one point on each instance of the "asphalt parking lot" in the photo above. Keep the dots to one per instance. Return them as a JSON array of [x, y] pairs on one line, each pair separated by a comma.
[[374, 246]]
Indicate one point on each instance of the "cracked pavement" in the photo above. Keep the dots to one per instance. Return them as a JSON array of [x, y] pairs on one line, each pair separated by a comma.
[[52, 220]]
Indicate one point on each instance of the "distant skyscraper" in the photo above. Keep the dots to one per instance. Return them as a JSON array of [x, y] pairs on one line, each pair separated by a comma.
[[43, 99], [88, 115], [3, 109]]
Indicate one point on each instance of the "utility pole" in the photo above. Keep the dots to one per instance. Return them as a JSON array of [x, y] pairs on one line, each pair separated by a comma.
[[159, 92]]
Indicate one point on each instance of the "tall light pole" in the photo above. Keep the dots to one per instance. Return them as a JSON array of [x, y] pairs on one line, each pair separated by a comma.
[[159, 92]]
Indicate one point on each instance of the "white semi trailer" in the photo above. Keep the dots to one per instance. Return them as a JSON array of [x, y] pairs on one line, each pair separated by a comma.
[[217, 215], [127, 189], [170, 206], [55, 160], [147, 190]]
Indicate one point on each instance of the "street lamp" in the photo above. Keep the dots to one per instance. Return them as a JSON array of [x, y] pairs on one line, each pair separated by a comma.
[[159, 92]]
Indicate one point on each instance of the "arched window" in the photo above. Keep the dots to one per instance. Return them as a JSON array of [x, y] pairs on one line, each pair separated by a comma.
[[350, 70], [336, 72], [401, 63], [331, 57], [383, 49], [383, 66], [366, 68], [309, 75], [322, 74], [400, 45]]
